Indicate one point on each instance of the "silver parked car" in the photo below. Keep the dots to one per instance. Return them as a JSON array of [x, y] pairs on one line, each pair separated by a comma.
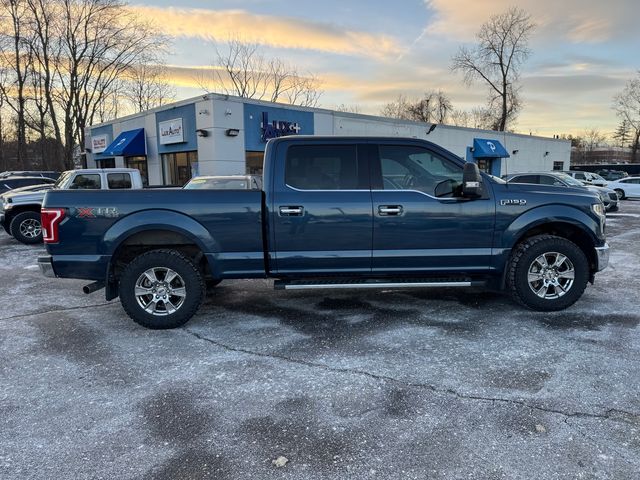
[[226, 182]]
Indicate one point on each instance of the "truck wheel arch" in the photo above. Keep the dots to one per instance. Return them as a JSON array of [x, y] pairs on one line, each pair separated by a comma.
[[135, 234], [20, 209], [581, 237]]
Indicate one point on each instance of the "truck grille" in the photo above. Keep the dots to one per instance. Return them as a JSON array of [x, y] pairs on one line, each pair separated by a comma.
[[613, 196]]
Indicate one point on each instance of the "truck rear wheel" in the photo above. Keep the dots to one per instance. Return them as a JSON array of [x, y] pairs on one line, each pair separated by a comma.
[[26, 227], [547, 273], [161, 289]]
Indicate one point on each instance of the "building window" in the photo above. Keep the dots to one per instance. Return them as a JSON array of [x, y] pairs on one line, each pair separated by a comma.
[[558, 165], [254, 163], [139, 163], [106, 163], [178, 168], [484, 165]]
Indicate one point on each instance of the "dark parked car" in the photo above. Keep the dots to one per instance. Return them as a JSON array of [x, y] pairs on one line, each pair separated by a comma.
[[11, 183], [30, 173], [559, 179], [612, 175]]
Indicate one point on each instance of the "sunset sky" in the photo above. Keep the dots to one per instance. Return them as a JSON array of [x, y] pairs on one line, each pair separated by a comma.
[[367, 52]]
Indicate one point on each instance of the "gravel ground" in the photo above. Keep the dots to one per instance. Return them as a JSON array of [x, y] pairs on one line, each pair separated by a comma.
[[394, 384]]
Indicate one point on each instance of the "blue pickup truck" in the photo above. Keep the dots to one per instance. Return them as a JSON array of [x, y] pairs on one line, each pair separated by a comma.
[[334, 212]]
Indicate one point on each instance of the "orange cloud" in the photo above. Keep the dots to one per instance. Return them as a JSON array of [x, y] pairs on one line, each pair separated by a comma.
[[281, 32]]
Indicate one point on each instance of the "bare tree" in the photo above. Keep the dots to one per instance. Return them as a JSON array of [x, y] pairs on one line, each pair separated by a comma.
[[241, 69], [627, 107], [433, 107], [16, 60], [82, 49], [3, 158], [146, 86], [304, 90], [592, 139], [398, 108], [496, 59], [353, 108]]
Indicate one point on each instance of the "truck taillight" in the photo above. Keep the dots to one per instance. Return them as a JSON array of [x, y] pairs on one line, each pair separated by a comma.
[[51, 218]]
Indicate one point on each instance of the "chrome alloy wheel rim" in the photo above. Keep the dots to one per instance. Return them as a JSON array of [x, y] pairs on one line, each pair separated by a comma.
[[30, 228], [551, 275], [160, 291]]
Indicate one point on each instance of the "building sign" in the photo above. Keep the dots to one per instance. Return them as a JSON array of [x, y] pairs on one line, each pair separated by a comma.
[[171, 131], [98, 143], [277, 128]]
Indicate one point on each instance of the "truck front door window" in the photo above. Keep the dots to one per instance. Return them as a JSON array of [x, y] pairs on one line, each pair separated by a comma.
[[415, 168]]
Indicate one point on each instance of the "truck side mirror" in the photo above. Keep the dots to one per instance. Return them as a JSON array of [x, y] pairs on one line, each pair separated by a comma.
[[471, 181]]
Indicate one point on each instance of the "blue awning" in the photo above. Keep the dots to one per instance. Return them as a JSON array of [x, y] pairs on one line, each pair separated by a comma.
[[128, 144], [483, 148]]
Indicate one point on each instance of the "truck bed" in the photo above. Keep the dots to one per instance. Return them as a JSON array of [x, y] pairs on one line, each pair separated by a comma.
[[225, 224]]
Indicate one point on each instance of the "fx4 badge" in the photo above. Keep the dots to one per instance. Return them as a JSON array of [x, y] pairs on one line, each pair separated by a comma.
[[96, 212], [512, 201]]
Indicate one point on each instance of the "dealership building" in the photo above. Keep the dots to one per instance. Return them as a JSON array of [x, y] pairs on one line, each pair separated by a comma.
[[218, 134]]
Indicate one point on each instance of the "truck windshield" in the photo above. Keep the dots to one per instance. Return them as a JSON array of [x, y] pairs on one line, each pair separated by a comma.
[[62, 180], [569, 180]]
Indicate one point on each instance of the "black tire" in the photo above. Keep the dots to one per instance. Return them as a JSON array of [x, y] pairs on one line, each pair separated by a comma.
[[26, 228], [188, 279], [524, 260], [212, 282], [621, 194], [614, 209]]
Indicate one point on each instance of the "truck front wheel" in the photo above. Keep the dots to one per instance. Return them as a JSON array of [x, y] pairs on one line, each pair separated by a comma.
[[547, 273], [161, 289]]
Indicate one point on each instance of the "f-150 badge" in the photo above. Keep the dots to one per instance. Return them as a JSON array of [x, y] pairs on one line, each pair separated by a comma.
[[96, 212], [512, 201]]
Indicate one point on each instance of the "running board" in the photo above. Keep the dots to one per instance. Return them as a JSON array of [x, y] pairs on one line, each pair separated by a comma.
[[374, 283]]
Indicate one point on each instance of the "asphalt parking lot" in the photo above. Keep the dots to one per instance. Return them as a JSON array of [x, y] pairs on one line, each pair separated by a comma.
[[395, 384]]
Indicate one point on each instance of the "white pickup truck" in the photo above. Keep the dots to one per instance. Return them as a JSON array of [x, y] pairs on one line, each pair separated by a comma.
[[20, 210]]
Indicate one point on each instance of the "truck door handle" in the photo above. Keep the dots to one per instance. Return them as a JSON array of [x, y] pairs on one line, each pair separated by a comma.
[[386, 210], [291, 211]]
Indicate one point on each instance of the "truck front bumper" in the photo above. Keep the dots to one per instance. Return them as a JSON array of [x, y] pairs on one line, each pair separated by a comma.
[[602, 254], [46, 267]]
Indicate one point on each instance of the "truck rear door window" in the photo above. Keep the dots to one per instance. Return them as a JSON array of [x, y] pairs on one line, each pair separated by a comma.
[[85, 181], [118, 181], [324, 167]]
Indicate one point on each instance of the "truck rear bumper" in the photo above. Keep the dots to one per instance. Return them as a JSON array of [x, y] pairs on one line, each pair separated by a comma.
[[46, 268], [602, 254], [85, 267]]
